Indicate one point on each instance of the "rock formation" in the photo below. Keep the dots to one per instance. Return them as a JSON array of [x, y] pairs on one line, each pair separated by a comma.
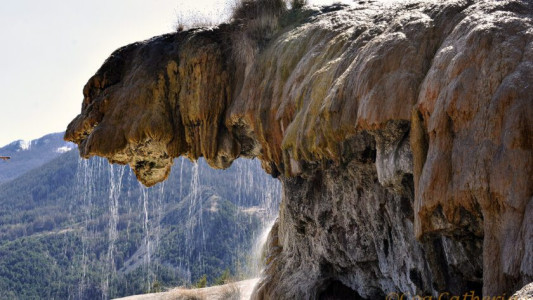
[[401, 134], [525, 293]]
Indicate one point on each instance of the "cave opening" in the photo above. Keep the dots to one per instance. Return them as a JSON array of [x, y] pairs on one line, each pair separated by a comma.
[[336, 290]]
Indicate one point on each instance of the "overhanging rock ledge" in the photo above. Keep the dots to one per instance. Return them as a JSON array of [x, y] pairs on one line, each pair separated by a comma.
[[402, 135]]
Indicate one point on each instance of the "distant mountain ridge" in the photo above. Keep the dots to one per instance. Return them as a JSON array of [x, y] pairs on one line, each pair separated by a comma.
[[27, 155]]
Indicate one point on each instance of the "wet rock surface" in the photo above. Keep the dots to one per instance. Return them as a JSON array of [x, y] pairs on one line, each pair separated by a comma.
[[401, 134]]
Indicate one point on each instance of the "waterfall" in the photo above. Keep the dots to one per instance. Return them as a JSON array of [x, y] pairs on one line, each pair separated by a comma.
[[257, 262], [269, 208], [115, 187], [195, 220], [158, 211], [146, 230], [90, 175], [82, 183], [181, 178], [118, 211], [151, 201], [267, 192]]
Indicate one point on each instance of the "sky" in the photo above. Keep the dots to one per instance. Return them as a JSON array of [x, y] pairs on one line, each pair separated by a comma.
[[49, 49]]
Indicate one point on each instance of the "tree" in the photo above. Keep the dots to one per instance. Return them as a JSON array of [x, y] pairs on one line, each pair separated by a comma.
[[202, 282], [223, 279]]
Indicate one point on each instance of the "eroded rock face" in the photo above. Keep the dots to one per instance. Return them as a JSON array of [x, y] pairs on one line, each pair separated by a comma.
[[371, 226], [402, 137], [156, 100]]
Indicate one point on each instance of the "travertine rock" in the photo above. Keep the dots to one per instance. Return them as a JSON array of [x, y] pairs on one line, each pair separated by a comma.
[[401, 134], [525, 293], [155, 100]]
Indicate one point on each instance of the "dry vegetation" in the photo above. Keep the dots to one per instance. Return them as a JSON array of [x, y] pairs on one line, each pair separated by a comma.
[[256, 22], [186, 294], [230, 291], [187, 21]]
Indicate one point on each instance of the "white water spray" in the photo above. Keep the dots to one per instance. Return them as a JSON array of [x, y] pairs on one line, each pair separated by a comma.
[[195, 222], [115, 186]]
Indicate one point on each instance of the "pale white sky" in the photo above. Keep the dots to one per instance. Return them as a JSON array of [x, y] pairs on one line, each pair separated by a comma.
[[49, 49]]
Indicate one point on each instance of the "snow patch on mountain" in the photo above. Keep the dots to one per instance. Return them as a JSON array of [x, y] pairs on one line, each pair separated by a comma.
[[24, 145]]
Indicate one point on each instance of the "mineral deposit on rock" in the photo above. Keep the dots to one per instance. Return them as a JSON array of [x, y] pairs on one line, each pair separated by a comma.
[[402, 135]]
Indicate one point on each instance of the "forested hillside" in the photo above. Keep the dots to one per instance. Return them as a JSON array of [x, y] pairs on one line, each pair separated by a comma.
[[83, 229]]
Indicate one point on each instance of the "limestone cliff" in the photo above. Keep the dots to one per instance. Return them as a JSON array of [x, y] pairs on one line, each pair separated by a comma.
[[401, 134]]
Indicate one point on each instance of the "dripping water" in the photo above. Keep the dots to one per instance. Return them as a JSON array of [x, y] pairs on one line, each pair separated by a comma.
[[194, 223], [90, 175], [115, 187], [82, 183], [158, 211], [146, 230], [260, 196], [181, 178], [120, 184]]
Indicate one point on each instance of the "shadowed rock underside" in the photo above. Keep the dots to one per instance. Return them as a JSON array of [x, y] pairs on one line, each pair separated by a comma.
[[401, 134]]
